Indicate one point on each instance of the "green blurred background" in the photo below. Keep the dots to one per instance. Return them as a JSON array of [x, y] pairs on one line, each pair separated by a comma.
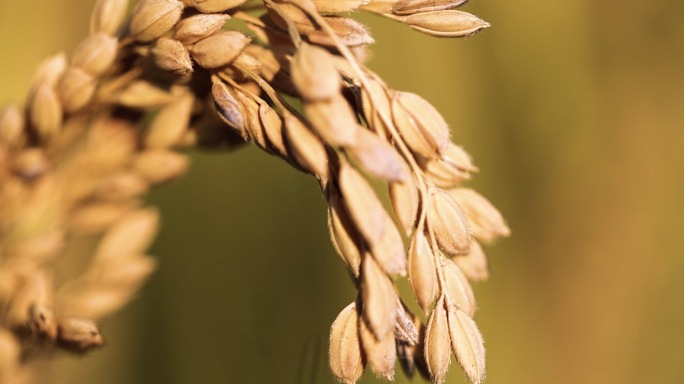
[[574, 112]]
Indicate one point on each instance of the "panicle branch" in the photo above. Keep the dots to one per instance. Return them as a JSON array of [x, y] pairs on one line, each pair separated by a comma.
[[103, 125]]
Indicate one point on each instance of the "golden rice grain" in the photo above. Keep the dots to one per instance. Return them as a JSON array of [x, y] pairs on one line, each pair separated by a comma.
[[379, 299], [170, 55], [449, 223], [96, 54], [381, 353], [437, 343], [408, 7], [338, 6], [108, 15], [195, 28], [346, 360], [467, 344], [474, 265], [446, 23], [314, 73], [219, 49], [153, 18], [422, 272]]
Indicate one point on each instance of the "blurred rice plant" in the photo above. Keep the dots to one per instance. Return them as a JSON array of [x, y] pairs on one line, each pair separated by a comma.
[[573, 111]]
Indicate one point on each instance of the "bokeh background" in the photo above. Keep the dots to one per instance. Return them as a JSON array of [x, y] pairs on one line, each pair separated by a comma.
[[574, 113]]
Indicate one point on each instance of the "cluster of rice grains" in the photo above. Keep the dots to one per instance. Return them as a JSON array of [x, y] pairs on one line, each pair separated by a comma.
[[102, 126]]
